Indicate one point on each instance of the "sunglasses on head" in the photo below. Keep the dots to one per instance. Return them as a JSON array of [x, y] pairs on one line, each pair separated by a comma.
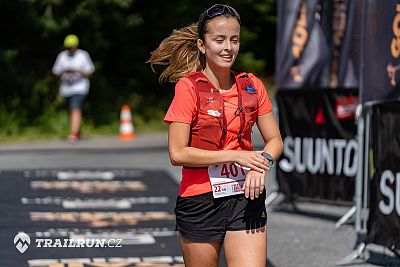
[[212, 12], [220, 9]]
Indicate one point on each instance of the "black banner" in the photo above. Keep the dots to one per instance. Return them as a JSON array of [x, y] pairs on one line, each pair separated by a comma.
[[384, 217], [381, 51], [320, 152], [318, 44]]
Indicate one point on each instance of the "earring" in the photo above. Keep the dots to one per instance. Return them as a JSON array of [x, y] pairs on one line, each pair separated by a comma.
[[203, 51]]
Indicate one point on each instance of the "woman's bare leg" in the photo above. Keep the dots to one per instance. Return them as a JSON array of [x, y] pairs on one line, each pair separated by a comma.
[[246, 248], [200, 254]]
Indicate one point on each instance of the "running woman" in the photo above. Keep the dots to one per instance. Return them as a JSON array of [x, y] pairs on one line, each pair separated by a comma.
[[221, 200]]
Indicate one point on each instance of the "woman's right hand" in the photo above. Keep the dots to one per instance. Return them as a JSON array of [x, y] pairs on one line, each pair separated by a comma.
[[252, 159]]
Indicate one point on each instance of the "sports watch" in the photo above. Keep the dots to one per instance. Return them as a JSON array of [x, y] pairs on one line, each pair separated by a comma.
[[269, 158]]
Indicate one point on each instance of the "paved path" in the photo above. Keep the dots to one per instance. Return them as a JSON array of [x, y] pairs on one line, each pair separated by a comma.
[[145, 151], [303, 237]]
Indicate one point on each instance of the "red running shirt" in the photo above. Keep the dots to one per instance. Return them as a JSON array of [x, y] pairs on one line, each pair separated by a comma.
[[183, 109]]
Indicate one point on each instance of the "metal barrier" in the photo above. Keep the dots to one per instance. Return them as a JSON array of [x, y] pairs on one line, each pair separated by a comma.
[[361, 185], [362, 195]]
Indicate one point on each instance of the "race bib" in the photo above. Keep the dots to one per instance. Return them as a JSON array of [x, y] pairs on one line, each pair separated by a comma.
[[227, 179]]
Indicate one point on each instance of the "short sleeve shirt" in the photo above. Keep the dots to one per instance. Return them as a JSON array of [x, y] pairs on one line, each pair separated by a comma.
[[72, 82], [183, 109]]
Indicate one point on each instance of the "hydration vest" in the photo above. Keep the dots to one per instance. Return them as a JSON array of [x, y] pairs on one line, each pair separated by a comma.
[[209, 126]]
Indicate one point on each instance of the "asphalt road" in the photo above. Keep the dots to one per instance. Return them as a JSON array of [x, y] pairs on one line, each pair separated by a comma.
[[301, 236]]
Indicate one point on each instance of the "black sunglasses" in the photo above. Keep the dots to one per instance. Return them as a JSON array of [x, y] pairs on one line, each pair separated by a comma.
[[220, 9], [214, 11]]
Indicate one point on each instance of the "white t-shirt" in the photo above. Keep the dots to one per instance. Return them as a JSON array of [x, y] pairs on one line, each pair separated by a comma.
[[72, 82]]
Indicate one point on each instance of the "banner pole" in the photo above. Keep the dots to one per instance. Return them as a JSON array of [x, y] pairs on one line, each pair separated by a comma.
[[357, 252], [360, 119], [366, 170], [359, 176]]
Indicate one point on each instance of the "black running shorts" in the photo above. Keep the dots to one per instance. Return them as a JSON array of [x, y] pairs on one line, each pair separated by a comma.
[[75, 101], [203, 218]]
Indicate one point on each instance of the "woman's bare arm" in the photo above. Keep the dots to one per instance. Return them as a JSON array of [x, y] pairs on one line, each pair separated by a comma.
[[181, 154]]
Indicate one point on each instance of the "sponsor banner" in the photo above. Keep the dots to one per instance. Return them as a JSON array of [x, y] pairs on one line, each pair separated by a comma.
[[384, 216], [345, 43], [317, 44], [320, 151], [381, 51]]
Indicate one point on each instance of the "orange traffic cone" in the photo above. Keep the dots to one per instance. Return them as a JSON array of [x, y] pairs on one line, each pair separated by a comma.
[[126, 128]]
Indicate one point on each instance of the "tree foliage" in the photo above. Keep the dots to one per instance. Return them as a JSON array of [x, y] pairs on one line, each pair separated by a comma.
[[119, 35]]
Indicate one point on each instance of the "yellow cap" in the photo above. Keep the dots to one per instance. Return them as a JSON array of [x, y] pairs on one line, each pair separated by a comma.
[[71, 41]]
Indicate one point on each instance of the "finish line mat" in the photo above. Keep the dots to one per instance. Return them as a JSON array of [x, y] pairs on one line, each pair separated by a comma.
[[85, 218]]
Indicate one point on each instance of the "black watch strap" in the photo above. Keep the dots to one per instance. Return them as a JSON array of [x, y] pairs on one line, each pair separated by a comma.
[[269, 158]]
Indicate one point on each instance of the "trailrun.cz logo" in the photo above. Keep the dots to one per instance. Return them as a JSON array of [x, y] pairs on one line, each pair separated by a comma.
[[22, 242]]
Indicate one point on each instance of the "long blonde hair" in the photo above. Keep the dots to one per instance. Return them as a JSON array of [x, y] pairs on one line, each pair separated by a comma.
[[179, 53]]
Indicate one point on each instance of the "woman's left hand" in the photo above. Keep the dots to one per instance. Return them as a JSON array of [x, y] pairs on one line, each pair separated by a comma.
[[253, 185]]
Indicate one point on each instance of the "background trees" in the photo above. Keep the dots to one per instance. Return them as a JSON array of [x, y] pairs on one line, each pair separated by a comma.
[[119, 35]]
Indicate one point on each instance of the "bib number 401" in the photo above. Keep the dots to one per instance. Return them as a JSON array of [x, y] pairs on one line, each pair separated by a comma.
[[226, 179], [232, 170]]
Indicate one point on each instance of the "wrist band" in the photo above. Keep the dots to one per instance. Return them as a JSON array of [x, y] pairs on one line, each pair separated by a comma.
[[269, 158]]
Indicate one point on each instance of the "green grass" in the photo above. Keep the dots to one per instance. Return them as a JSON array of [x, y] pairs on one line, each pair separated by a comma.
[[54, 123], [56, 127]]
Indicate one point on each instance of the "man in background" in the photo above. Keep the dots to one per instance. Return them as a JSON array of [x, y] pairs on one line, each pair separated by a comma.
[[74, 67]]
